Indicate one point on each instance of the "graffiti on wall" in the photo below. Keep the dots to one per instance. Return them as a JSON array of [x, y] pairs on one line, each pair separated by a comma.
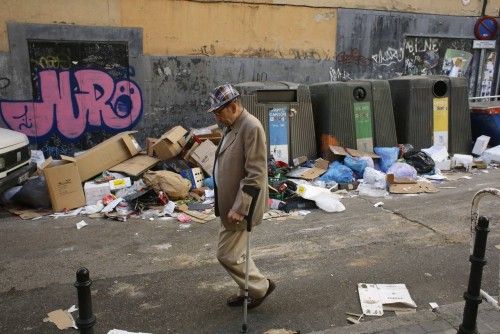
[[4, 82], [426, 55], [388, 56], [337, 74], [71, 102]]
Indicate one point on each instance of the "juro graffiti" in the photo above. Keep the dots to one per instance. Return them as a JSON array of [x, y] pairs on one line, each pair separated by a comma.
[[72, 101]]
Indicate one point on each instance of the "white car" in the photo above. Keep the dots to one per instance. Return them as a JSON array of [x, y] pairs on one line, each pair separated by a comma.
[[15, 155]]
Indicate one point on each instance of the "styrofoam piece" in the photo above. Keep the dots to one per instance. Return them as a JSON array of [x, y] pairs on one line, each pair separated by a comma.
[[480, 145]]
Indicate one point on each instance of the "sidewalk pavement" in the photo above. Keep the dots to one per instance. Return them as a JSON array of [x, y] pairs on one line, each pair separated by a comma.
[[445, 320]]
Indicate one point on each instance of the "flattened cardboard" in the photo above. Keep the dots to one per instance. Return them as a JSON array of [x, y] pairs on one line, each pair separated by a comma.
[[62, 319], [338, 150], [320, 167], [149, 145], [408, 186], [204, 155], [107, 154], [170, 144], [64, 185], [135, 166]]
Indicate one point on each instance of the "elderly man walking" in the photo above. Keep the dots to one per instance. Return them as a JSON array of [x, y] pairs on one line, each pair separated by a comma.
[[240, 159]]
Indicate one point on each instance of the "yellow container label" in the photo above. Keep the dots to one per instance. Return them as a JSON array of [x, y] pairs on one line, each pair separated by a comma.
[[440, 112]]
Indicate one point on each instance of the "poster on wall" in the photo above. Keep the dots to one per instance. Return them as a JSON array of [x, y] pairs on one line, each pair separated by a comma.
[[489, 69], [456, 62]]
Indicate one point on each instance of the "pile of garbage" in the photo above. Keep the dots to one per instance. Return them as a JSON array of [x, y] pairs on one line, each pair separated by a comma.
[[387, 170], [172, 177]]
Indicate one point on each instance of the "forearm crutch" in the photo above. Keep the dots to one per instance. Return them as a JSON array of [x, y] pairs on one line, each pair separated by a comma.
[[253, 192]]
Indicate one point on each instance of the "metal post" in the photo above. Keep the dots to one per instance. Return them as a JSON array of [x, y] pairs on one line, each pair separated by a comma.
[[86, 319], [472, 295]]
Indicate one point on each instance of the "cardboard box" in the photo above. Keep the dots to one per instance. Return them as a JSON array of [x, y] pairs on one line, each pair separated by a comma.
[[195, 175], [338, 150], [204, 155], [94, 192], [107, 154], [64, 184], [408, 186], [149, 145], [171, 143], [135, 166], [320, 167]]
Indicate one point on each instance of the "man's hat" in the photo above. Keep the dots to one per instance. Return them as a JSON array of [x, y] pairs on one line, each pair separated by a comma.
[[221, 96]]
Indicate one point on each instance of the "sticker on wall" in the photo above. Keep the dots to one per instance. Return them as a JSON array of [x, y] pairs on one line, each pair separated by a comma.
[[364, 128], [440, 117], [278, 133]]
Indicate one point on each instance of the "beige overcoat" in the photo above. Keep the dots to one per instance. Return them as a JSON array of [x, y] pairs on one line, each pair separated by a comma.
[[241, 159]]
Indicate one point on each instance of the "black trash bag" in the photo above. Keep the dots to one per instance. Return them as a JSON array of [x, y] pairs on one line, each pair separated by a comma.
[[33, 194], [421, 161]]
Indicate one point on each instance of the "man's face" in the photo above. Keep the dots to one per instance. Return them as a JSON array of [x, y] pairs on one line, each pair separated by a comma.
[[226, 115]]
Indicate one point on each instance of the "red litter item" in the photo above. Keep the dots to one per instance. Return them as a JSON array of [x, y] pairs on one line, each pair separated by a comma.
[[162, 198], [183, 218], [108, 199], [281, 164]]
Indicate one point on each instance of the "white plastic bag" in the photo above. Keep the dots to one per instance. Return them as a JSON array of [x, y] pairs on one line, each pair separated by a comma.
[[369, 190], [437, 152], [375, 178], [329, 203]]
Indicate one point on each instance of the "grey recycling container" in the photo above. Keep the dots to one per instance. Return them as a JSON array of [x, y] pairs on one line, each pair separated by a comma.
[[432, 110], [285, 111], [356, 114]]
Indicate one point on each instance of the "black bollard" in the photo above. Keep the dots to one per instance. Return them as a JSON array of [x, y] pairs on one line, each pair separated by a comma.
[[472, 295], [86, 319]]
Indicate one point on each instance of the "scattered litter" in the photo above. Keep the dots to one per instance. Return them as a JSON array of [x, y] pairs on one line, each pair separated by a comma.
[[490, 300], [428, 275], [303, 212], [61, 318], [378, 204], [480, 145], [375, 298], [112, 205], [354, 318], [184, 226], [434, 306], [184, 218], [72, 309], [71, 213], [484, 171], [447, 187], [169, 208], [81, 224], [465, 177]]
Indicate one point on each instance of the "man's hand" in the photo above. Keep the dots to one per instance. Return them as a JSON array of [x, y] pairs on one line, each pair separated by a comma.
[[234, 217]]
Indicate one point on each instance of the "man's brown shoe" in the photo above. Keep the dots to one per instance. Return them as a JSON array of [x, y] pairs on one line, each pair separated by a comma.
[[235, 300], [254, 302]]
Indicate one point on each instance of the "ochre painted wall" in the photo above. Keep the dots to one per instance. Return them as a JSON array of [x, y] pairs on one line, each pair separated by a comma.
[[249, 28], [230, 29]]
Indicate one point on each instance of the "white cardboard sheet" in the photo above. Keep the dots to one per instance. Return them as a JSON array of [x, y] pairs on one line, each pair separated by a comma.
[[375, 298]]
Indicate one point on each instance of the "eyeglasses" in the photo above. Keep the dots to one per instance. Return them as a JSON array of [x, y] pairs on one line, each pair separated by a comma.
[[218, 111]]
